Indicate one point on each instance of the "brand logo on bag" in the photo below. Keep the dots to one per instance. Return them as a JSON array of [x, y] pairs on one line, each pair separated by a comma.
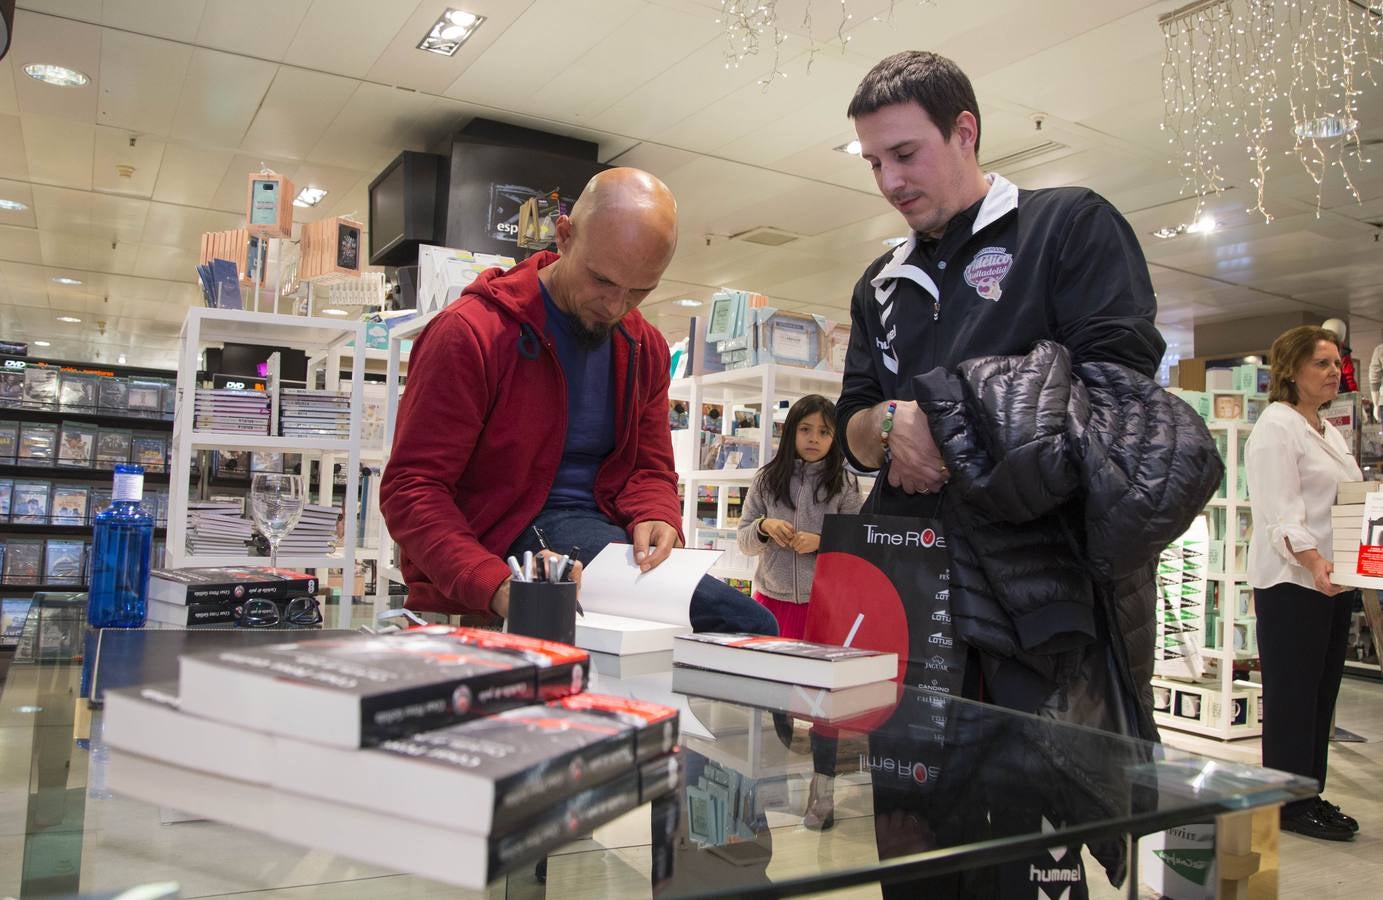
[[944, 595], [941, 615], [936, 664], [939, 721], [940, 640], [920, 773], [987, 269], [927, 537]]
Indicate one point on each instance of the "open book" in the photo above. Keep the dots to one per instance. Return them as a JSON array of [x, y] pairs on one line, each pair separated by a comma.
[[628, 611]]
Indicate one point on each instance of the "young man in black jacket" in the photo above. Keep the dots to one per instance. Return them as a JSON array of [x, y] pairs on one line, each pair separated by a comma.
[[987, 270]]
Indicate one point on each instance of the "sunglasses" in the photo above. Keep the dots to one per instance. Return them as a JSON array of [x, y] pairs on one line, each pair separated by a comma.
[[300, 611]]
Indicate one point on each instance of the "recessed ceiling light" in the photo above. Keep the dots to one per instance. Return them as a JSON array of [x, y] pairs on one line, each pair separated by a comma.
[[686, 301], [1204, 225], [63, 279], [59, 76], [1325, 128], [120, 360], [335, 312], [852, 148], [309, 196], [42, 344], [894, 241], [12, 205], [70, 319], [449, 32]]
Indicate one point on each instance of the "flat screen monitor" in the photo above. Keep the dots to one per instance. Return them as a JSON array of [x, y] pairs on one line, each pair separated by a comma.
[[407, 208]]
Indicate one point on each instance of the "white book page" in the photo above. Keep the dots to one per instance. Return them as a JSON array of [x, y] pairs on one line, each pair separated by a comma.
[[612, 584]]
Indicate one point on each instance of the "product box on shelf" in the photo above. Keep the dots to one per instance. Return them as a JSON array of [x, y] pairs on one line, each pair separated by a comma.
[[1201, 703], [1251, 379]]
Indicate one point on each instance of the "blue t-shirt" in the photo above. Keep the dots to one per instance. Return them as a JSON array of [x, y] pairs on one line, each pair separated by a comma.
[[590, 412]]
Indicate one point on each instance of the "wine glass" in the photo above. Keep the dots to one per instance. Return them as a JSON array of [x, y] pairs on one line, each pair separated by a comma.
[[276, 503]]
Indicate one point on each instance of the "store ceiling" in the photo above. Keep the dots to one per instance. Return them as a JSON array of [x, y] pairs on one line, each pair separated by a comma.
[[194, 95]]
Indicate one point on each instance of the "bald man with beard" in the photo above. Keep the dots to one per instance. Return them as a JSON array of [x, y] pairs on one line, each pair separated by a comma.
[[540, 398]]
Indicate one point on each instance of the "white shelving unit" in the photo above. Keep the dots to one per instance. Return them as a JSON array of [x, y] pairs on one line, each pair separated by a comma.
[[763, 386], [1229, 579], [203, 327], [396, 361]]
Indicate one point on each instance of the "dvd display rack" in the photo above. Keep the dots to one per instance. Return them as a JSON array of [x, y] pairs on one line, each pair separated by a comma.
[[64, 425]]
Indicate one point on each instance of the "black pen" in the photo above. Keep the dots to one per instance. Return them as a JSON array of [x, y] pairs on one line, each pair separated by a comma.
[[542, 539], [567, 568]]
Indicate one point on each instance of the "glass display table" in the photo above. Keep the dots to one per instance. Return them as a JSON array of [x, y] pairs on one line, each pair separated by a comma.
[[964, 795]]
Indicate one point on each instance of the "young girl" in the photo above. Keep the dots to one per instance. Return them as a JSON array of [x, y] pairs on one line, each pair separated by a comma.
[[783, 511], [781, 524]]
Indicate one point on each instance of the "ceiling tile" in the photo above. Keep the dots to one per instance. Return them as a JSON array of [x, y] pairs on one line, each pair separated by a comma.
[[19, 244], [173, 19], [165, 262], [9, 100], [141, 81], [297, 108], [112, 149], [376, 123], [63, 42], [59, 151], [259, 28], [190, 175], [13, 161], [182, 226], [220, 97], [347, 36]]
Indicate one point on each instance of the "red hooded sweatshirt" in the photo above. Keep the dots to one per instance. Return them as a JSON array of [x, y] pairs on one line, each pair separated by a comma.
[[480, 432]]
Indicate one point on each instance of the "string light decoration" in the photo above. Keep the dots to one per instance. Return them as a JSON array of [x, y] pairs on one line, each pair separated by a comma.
[[1222, 77], [753, 27]]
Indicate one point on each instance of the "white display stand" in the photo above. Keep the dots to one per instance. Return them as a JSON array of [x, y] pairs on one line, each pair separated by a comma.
[[763, 385], [203, 327]]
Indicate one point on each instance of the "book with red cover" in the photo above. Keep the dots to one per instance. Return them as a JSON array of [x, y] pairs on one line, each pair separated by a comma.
[[655, 725], [562, 668]]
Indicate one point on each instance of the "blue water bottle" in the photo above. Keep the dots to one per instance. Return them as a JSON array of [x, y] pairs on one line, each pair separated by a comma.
[[121, 548]]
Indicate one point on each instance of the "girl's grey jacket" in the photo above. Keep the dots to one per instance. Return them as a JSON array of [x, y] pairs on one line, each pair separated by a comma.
[[784, 574]]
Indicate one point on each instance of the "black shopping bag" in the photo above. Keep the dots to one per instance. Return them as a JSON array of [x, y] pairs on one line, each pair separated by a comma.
[[883, 583]]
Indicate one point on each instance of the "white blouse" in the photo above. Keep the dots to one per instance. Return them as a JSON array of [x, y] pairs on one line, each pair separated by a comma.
[[1293, 474]]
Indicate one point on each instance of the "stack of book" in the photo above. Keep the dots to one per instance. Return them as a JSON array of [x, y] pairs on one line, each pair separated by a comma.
[[217, 528], [433, 746], [819, 682], [210, 596], [232, 411], [314, 414], [315, 534]]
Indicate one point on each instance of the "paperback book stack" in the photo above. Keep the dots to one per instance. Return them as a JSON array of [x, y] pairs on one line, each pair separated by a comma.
[[818, 682], [217, 528], [314, 414], [315, 534], [210, 596], [231, 411], [465, 753]]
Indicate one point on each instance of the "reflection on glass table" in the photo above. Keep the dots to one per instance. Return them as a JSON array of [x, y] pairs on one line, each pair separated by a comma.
[[977, 801]]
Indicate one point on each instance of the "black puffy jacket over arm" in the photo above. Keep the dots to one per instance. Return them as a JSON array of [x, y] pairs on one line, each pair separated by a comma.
[[1066, 485]]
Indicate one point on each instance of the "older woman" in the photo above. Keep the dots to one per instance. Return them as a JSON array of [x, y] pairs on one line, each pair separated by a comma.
[[1295, 462]]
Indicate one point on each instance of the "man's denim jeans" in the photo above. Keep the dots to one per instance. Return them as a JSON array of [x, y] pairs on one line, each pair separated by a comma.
[[715, 606]]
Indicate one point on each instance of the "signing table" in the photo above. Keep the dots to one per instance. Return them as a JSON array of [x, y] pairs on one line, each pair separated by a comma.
[[925, 788]]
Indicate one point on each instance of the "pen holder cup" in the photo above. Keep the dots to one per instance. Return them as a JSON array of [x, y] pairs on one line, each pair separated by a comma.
[[543, 609]]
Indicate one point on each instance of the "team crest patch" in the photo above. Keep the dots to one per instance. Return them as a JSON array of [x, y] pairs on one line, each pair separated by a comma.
[[987, 269]]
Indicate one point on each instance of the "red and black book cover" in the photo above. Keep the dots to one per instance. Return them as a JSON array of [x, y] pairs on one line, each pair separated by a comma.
[[562, 668], [658, 776], [235, 583], [577, 816], [655, 726], [534, 755]]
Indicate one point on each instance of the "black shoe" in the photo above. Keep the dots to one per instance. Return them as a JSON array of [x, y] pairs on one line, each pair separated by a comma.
[[1311, 823], [1331, 813]]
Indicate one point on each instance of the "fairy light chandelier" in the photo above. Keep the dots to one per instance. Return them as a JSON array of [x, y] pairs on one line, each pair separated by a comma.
[[1232, 65], [753, 27]]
